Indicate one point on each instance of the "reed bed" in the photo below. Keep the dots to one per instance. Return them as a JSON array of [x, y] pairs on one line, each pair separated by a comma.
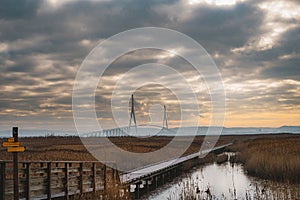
[[55, 148], [192, 188], [272, 158]]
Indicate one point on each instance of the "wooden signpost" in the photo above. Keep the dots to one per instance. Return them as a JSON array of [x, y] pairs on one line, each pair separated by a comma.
[[13, 146], [15, 149]]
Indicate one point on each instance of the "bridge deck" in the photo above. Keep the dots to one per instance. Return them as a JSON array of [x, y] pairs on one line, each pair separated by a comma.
[[158, 167]]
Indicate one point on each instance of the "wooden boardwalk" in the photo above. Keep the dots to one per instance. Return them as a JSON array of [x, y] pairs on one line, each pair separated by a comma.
[[48, 180], [142, 180], [137, 174]]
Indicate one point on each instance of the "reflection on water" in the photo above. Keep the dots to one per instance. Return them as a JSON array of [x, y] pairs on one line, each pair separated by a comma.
[[224, 181]]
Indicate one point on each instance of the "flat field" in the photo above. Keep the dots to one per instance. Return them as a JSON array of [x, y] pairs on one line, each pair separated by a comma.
[[270, 156]]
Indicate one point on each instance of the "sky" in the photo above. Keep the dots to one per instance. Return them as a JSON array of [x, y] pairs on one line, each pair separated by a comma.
[[254, 43]]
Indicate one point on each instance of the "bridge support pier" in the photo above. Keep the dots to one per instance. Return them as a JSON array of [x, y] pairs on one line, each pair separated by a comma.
[[137, 190], [147, 186]]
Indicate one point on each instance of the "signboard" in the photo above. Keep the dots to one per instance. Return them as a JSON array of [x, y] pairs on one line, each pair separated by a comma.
[[15, 149], [11, 144]]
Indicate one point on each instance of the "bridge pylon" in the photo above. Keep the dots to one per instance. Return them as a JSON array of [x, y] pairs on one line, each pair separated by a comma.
[[132, 115], [165, 120]]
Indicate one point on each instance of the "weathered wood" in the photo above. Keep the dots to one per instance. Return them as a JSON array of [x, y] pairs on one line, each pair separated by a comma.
[[49, 178], [94, 177], [66, 181], [147, 186], [38, 171], [58, 170], [38, 180], [15, 165], [81, 178], [27, 192], [137, 190], [2, 179], [104, 178]]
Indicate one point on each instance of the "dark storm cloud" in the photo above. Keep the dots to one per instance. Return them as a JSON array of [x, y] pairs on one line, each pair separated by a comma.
[[15, 9], [290, 39], [81, 19], [20, 64], [16, 79], [224, 28], [279, 62], [284, 69]]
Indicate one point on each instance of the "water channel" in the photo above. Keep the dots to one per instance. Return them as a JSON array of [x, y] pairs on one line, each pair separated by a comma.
[[224, 181]]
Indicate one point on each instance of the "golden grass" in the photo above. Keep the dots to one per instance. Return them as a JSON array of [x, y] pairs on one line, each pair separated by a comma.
[[274, 157], [271, 158], [71, 148]]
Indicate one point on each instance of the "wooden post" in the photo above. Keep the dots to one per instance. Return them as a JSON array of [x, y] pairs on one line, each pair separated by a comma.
[[137, 190], [104, 179], [113, 177], [2, 180], [94, 177], [49, 180], [147, 186], [28, 181], [15, 166], [81, 179], [66, 181], [116, 180]]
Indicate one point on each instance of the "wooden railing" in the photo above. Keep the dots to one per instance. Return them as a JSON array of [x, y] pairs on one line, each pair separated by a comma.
[[46, 180]]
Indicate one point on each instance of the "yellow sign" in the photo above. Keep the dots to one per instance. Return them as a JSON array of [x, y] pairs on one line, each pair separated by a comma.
[[15, 149], [11, 144], [11, 139]]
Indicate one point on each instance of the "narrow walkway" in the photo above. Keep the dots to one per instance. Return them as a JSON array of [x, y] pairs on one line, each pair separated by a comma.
[[157, 167]]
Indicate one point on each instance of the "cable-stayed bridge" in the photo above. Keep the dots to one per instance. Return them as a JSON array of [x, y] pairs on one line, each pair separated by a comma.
[[133, 129], [141, 131]]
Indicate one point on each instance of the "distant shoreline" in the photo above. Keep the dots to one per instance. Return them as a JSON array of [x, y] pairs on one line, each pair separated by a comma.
[[185, 131]]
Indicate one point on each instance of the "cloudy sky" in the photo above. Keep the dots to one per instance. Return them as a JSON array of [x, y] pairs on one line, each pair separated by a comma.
[[254, 43]]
